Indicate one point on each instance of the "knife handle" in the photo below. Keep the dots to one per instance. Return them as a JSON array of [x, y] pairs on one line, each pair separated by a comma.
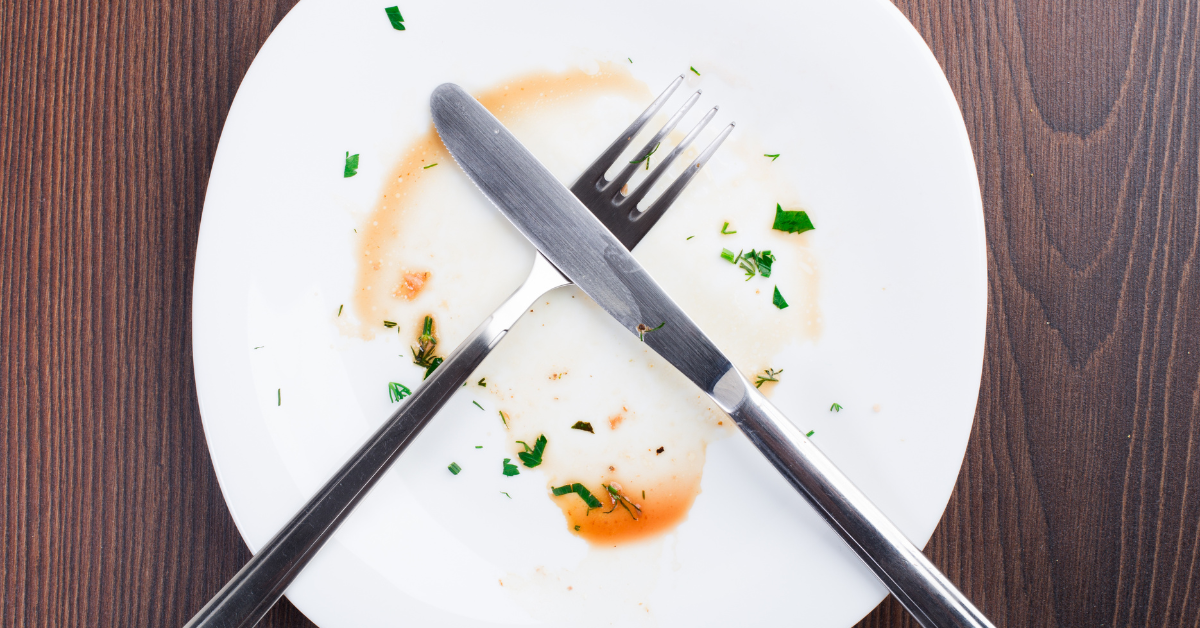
[[248, 596], [932, 599]]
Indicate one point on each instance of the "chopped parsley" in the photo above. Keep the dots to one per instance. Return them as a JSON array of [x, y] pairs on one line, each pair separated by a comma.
[[340, 309], [773, 157], [429, 166], [477, 405], [532, 457], [778, 299], [644, 329], [454, 468], [695, 70], [428, 342], [724, 230], [395, 18], [583, 426], [810, 433], [756, 263], [351, 165], [769, 375], [510, 469], [646, 157], [791, 221], [482, 382], [504, 418], [397, 391], [579, 490], [835, 408]]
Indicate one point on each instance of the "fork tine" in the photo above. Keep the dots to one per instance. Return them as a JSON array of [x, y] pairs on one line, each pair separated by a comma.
[[612, 189], [593, 177], [643, 188], [640, 224]]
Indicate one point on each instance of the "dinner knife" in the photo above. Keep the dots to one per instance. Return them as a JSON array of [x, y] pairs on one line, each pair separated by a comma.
[[576, 242]]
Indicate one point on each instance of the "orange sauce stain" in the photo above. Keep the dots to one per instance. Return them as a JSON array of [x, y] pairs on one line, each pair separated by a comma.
[[615, 421], [411, 285], [665, 506]]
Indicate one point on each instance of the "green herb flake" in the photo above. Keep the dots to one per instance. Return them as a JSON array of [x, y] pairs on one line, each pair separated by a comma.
[[773, 157], [644, 329], [791, 221], [769, 375], [688, 238], [278, 396], [504, 418], [260, 346], [630, 59], [506, 494], [576, 528], [479, 447], [477, 405], [389, 324], [482, 382], [351, 166], [427, 342], [395, 18], [340, 309], [778, 300], [835, 408], [643, 494], [579, 490], [583, 426], [646, 157], [454, 468], [695, 70], [532, 457], [397, 391], [725, 231], [810, 433], [429, 166], [510, 469], [727, 255], [755, 263]]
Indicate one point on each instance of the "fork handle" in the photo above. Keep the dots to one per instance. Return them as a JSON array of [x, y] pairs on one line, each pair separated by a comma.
[[932, 599], [248, 596]]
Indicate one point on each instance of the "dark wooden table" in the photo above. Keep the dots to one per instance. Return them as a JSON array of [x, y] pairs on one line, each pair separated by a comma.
[[1079, 501]]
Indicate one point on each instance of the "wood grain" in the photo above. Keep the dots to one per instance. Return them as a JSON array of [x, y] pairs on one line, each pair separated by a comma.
[[1079, 499]]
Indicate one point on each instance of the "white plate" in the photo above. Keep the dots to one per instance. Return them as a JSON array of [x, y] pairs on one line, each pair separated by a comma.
[[872, 141]]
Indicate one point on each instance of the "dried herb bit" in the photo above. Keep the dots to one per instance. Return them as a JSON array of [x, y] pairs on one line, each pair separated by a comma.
[[576, 528], [532, 457], [810, 433], [340, 309], [644, 329], [351, 166], [427, 342], [725, 231], [397, 391], [579, 490], [506, 494], [510, 469], [395, 18], [429, 166], [659, 450], [482, 382], [454, 468], [619, 499], [791, 221], [773, 157], [646, 157], [728, 256], [583, 426], [769, 375], [389, 324], [695, 70], [259, 347], [504, 418], [778, 300], [835, 408], [477, 405]]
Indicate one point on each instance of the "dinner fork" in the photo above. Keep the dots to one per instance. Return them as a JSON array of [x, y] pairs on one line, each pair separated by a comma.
[[261, 582]]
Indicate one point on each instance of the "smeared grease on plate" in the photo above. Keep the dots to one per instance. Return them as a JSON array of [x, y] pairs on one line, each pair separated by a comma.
[[433, 246]]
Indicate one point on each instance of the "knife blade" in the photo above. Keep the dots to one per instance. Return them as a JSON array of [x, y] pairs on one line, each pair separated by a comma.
[[581, 248]]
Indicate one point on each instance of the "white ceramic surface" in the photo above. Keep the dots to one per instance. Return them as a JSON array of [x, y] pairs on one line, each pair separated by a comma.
[[872, 138]]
